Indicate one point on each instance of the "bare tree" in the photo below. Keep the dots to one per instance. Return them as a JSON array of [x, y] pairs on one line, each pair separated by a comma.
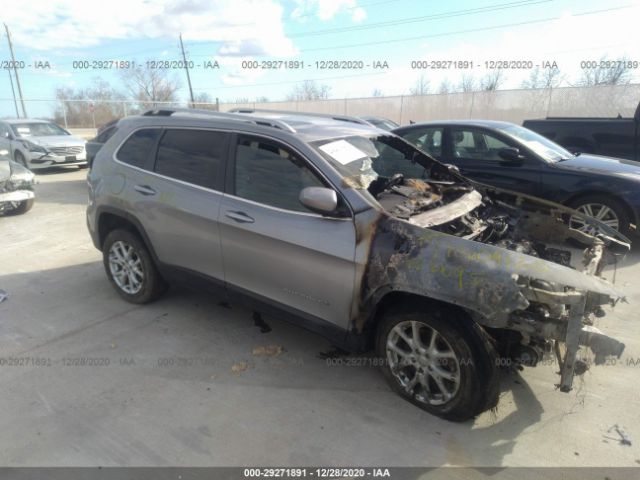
[[543, 78], [98, 103], [241, 100], [150, 85], [445, 86], [421, 87], [467, 83], [262, 99], [203, 100], [492, 80], [376, 92], [607, 72], [309, 90]]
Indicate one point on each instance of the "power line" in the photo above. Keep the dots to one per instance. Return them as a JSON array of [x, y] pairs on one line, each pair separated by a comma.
[[457, 32], [437, 16]]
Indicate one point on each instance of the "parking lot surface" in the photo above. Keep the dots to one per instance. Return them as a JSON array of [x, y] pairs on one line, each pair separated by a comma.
[[88, 379]]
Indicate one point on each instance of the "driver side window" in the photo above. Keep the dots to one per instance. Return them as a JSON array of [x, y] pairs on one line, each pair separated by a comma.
[[427, 139], [269, 173], [476, 145]]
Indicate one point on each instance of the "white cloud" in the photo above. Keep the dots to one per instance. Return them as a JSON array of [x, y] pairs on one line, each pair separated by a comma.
[[568, 41], [45, 25], [359, 14], [234, 74], [328, 9]]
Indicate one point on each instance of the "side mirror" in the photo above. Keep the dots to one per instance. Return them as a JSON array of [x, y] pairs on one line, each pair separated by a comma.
[[319, 199], [510, 155]]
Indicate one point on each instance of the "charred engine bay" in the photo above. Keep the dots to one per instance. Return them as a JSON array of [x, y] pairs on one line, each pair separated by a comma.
[[458, 209], [541, 309]]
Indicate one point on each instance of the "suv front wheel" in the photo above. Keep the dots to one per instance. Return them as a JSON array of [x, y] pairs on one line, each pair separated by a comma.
[[439, 363], [130, 268]]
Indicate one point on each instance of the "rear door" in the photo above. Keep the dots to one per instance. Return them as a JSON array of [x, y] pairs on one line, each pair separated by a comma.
[[475, 152], [178, 200], [275, 250]]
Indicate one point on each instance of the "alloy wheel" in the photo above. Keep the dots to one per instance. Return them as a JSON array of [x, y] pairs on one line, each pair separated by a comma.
[[126, 267], [598, 211], [423, 362]]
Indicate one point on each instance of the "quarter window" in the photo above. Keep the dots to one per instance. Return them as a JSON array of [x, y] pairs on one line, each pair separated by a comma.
[[268, 173], [193, 156], [136, 149]]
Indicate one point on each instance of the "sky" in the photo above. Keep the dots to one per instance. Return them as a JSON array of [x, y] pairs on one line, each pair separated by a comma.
[[388, 34]]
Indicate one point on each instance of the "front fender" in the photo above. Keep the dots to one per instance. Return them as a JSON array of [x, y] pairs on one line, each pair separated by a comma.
[[476, 276]]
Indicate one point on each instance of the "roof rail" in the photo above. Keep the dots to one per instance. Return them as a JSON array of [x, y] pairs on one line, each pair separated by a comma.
[[340, 118], [268, 122]]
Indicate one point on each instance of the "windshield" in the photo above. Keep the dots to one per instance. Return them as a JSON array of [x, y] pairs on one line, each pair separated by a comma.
[[361, 159], [37, 129], [550, 151]]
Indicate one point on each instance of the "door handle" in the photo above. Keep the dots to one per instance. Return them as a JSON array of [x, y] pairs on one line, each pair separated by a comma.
[[144, 190], [239, 217]]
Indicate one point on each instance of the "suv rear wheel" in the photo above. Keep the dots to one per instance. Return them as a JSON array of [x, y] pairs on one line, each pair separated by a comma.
[[439, 362], [130, 268]]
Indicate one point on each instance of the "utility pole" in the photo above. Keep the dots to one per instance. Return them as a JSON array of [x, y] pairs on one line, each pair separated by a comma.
[[13, 92], [15, 70], [186, 68]]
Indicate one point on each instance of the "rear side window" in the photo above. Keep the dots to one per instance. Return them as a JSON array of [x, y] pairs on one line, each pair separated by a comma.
[[193, 156], [138, 146]]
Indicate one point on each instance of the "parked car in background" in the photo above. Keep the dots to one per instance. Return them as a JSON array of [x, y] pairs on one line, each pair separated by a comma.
[[381, 122], [512, 157], [41, 144], [103, 134], [16, 186], [357, 235], [614, 137]]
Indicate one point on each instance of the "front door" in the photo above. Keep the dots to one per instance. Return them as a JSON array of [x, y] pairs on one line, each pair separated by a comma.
[[276, 250]]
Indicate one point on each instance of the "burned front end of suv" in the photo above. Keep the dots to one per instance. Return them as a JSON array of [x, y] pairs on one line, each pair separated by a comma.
[[508, 260]]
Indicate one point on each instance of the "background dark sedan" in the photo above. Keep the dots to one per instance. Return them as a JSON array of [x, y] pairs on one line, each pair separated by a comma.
[[512, 157]]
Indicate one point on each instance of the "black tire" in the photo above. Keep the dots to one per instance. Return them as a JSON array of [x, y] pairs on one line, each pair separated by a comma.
[[23, 207], [478, 386], [615, 205], [19, 158], [152, 283], [83, 166]]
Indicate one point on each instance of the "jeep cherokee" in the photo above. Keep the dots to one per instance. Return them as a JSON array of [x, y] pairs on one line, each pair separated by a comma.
[[358, 235]]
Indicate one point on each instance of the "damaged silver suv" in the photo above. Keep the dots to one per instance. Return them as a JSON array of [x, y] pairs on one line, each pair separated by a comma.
[[358, 235]]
